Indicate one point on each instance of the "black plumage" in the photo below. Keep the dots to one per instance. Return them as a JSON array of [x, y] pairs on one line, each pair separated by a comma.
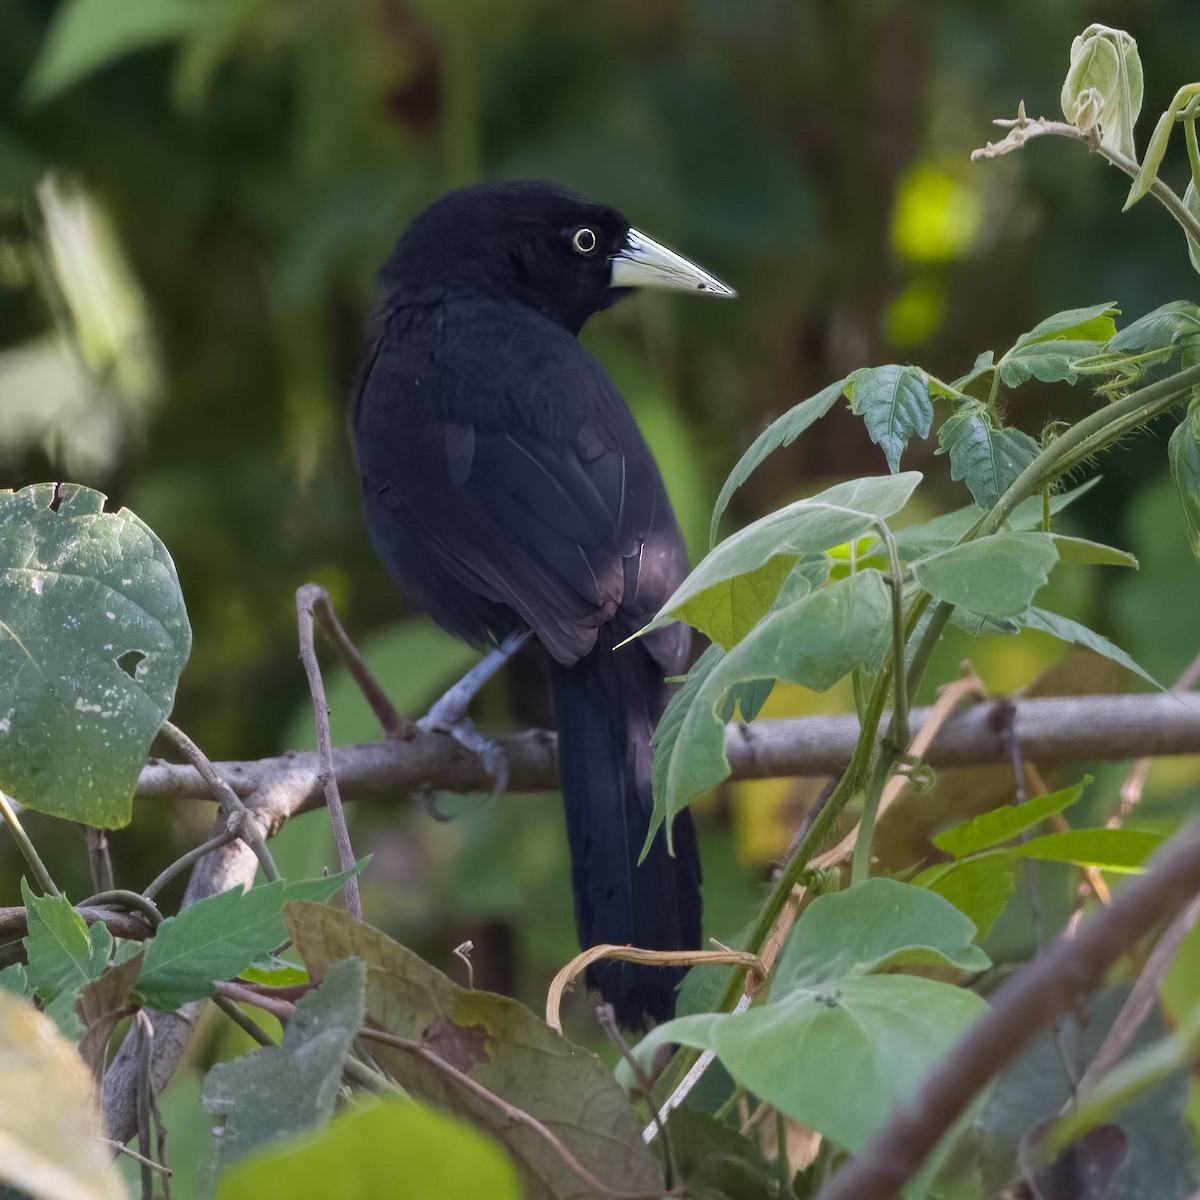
[[507, 487]]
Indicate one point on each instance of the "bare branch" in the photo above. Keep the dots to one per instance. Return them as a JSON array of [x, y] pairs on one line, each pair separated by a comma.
[[1060, 729]]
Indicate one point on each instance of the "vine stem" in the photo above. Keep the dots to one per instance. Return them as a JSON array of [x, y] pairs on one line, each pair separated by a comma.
[[1023, 128], [28, 851]]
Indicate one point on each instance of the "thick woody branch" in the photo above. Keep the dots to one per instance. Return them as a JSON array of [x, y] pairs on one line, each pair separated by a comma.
[[1048, 731]]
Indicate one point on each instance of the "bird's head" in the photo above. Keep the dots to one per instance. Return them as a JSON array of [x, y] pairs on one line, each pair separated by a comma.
[[540, 244]]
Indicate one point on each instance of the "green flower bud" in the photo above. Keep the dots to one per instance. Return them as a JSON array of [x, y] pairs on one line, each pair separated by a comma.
[[1104, 86]]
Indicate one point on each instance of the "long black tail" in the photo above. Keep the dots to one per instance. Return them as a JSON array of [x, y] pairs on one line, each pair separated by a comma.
[[607, 706]]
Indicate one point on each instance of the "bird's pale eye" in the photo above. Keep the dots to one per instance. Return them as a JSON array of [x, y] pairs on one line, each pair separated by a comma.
[[584, 241]]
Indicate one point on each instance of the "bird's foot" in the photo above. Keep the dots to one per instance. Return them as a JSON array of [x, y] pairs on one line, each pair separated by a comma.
[[448, 718]]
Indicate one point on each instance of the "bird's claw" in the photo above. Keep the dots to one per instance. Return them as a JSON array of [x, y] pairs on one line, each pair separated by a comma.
[[456, 724]]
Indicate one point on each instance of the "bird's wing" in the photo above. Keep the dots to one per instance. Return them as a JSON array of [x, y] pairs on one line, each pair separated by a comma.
[[524, 477]]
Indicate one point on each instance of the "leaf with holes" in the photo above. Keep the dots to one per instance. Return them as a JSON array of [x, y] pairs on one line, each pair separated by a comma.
[[93, 637]]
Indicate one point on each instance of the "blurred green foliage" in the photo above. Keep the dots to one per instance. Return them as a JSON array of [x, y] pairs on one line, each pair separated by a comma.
[[194, 197]]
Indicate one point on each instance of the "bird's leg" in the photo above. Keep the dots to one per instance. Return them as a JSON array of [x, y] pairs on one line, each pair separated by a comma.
[[449, 714]]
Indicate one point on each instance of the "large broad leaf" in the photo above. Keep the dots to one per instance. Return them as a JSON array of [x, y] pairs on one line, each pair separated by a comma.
[[87, 34], [1067, 630], [839, 514], [814, 641], [220, 936], [93, 636], [995, 575], [1049, 350], [502, 1046], [782, 432], [1183, 450], [894, 403], [380, 1150], [880, 923], [1003, 824], [838, 1056], [988, 460], [277, 1092], [51, 1134]]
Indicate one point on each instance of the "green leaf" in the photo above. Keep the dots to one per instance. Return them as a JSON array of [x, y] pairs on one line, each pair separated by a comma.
[[987, 459], [1048, 351], [1164, 328], [1183, 451], [1094, 323], [1005, 823], [781, 432], [894, 403], [918, 541], [1157, 149], [985, 364], [996, 575], [1076, 634], [86, 35], [368, 1150], [728, 611], [220, 936], [1085, 553], [814, 642], [15, 980], [845, 511], [93, 636], [978, 887], [865, 1042], [64, 954], [1103, 88], [880, 923], [1109, 849], [282, 1091], [501, 1045]]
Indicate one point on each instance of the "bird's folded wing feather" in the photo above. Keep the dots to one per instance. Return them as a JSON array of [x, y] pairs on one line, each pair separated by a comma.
[[535, 490]]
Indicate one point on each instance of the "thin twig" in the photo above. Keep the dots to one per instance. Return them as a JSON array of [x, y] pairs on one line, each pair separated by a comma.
[[192, 857], [99, 859], [144, 1086], [237, 816], [308, 598], [129, 1152], [122, 898], [243, 1022], [28, 851], [392, 723], [606, 1015]]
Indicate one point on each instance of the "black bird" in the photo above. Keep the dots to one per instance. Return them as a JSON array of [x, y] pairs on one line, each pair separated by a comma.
[[508, 490]]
